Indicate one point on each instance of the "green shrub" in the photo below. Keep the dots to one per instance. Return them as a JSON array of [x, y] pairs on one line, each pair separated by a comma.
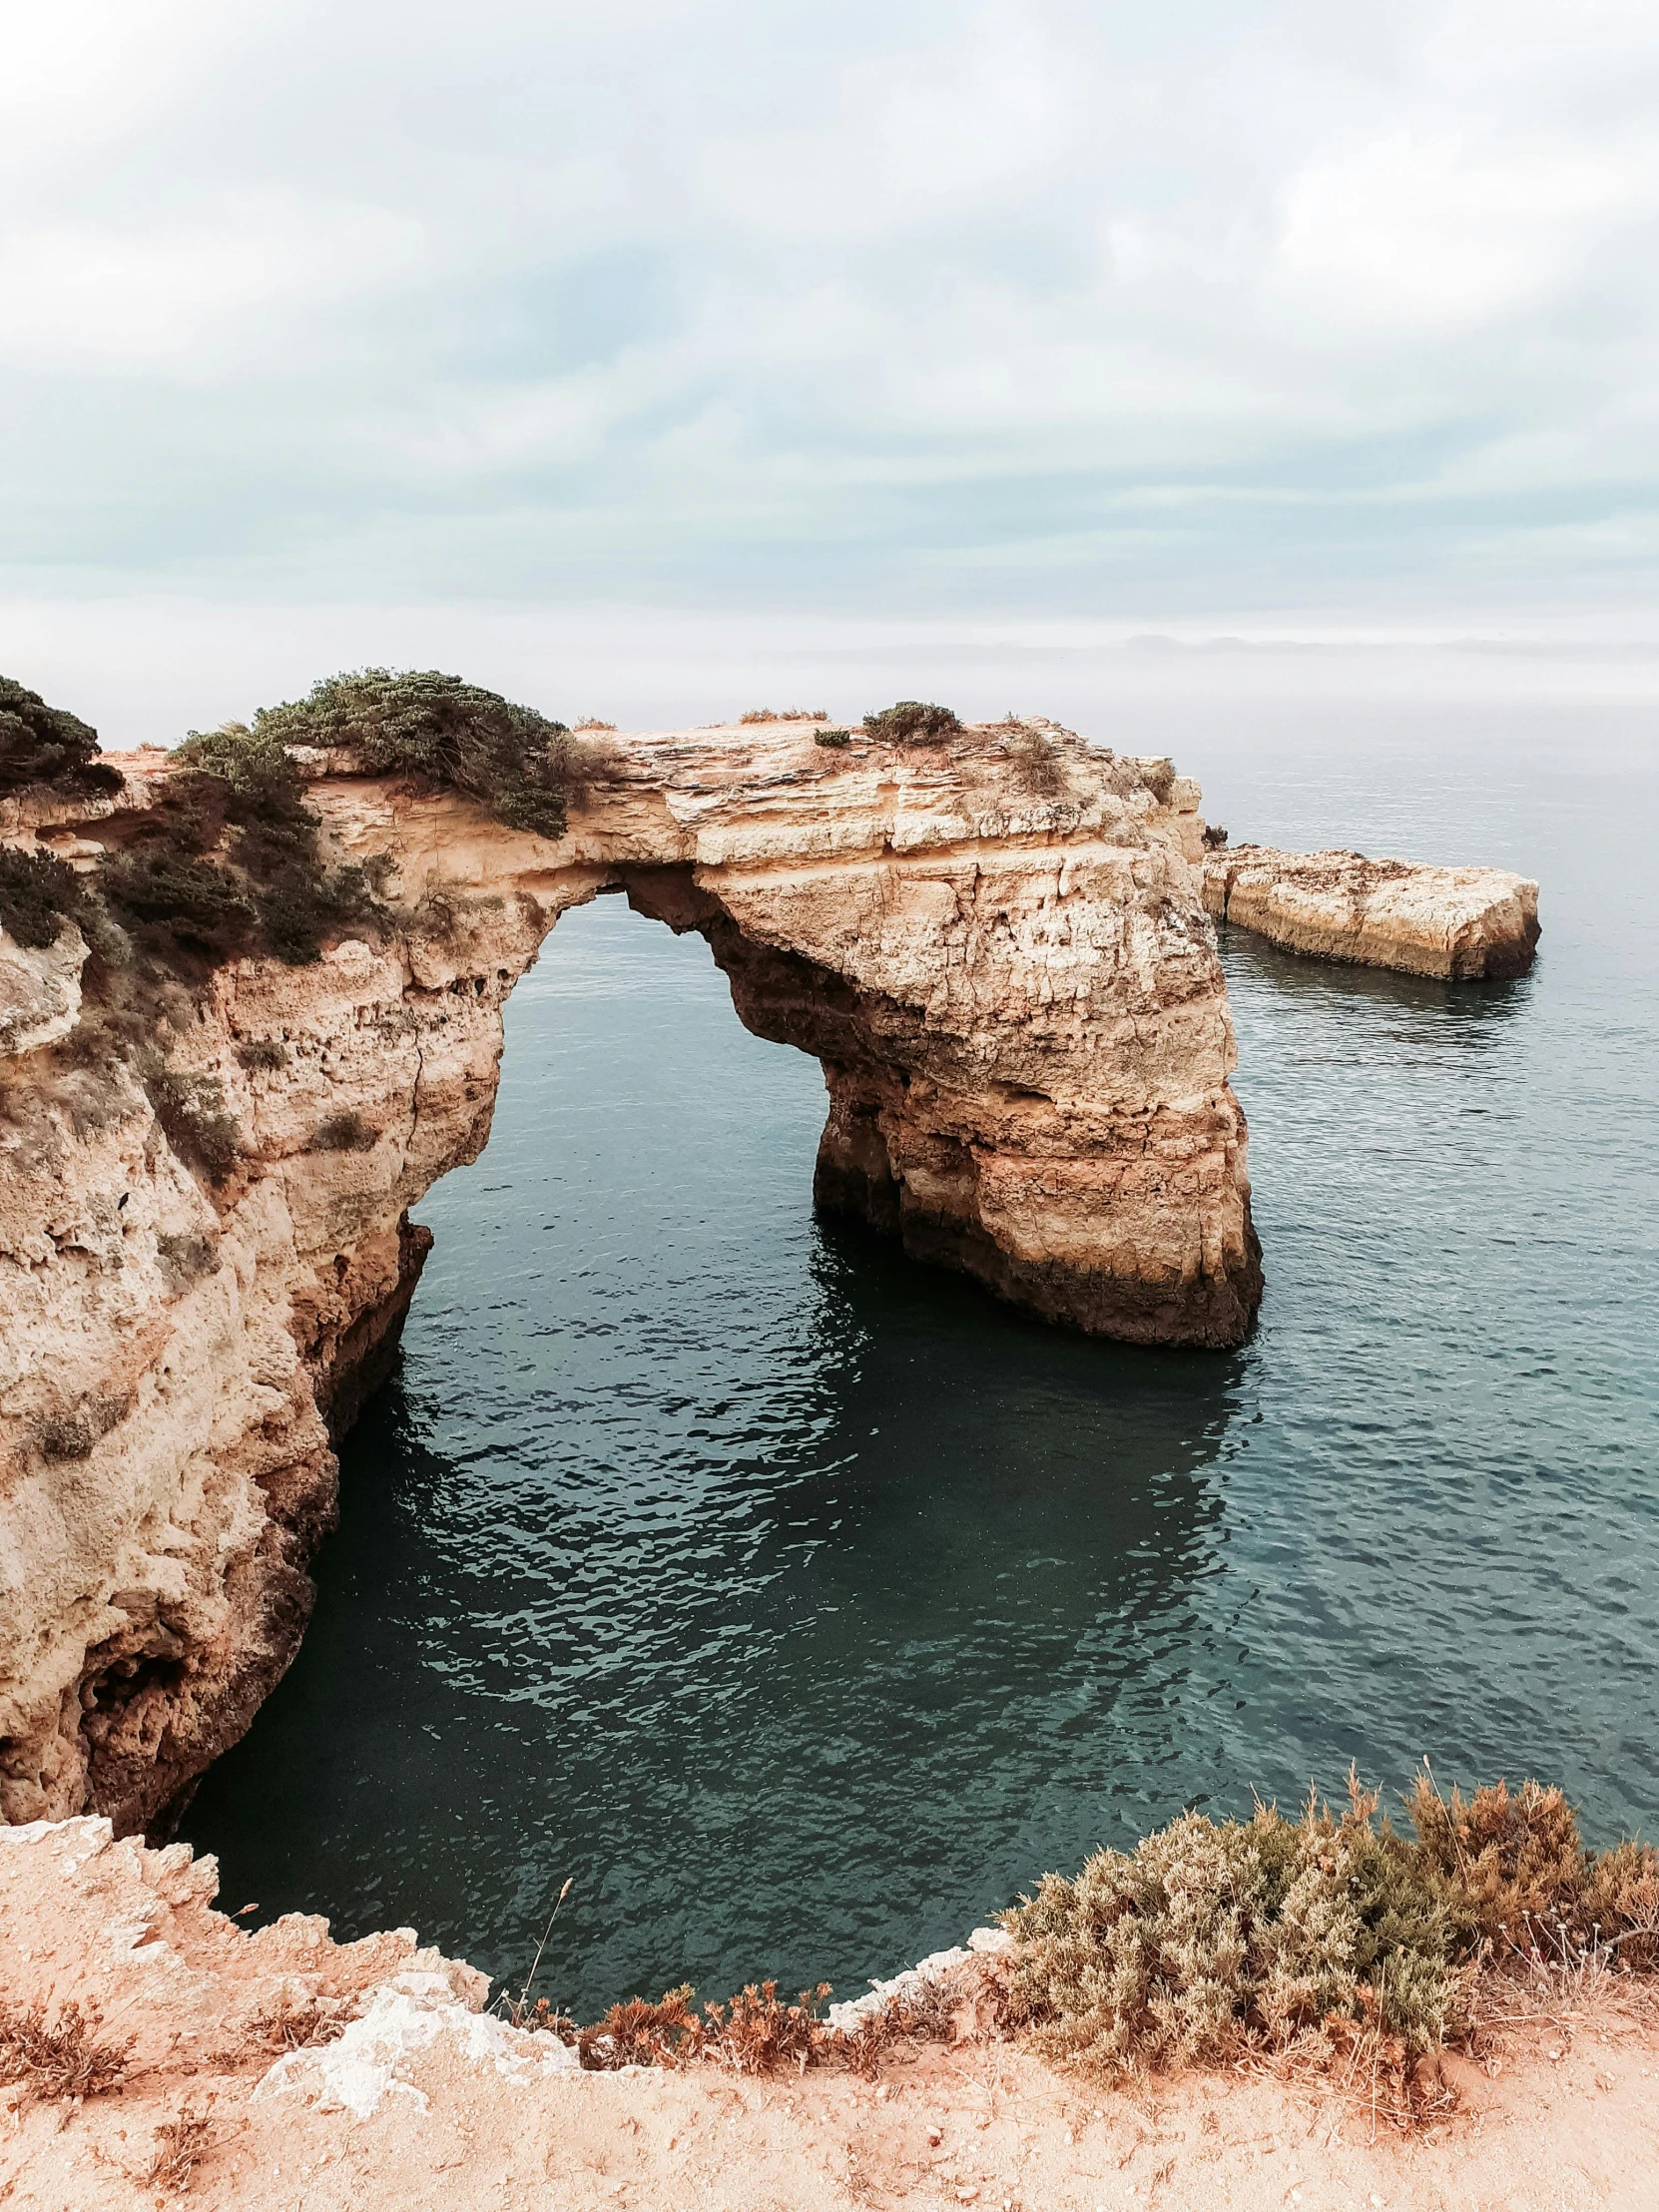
[[262, 1055], [419, 722], [229, 861], [38, 894], [834, 739], [47, 744], [912, 722], [171, 899], [343, 1132], [192, 1112], [1212, 1934]]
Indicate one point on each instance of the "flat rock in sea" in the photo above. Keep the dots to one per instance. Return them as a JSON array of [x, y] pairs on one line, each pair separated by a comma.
[[1456, 922]]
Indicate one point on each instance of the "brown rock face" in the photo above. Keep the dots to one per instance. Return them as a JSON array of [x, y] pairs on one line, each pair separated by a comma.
[[996, 948], [1456, 922]]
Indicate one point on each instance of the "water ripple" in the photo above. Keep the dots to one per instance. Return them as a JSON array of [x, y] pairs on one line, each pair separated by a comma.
[[803, 1604]]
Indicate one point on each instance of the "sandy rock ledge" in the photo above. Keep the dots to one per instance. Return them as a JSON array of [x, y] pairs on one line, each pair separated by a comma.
[[422, 2102], [1456, 922]]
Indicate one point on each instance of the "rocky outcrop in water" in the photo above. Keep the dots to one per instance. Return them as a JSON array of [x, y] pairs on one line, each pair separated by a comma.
[[995, 946], [1456, 922]]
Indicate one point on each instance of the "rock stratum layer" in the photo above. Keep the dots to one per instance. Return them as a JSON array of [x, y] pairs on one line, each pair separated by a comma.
[[997, 949], [1456, 922]]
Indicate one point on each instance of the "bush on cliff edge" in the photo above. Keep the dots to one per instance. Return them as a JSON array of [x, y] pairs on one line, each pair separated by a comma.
[[913, 721], [38, 894], [47, 744], [228, 861], [419, 722], [1215, 1937]]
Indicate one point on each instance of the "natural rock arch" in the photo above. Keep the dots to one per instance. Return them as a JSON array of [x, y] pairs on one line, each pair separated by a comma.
[[995, 947]]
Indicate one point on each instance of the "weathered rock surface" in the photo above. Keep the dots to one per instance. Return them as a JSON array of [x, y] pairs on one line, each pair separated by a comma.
[[1457, 923], [997, 949], [396, 2092], [105, 1921], [40, 992]]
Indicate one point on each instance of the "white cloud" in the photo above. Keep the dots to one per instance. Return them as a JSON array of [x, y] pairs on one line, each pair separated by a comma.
[[896, 304], [199, 299], [1425, 236]]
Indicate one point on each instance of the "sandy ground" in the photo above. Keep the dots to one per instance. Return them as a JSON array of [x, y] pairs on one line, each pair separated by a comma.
[[987, 2126], [422, 2105]]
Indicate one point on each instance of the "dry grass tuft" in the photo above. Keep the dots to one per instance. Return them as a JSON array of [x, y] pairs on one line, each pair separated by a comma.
[[785, 714], [754, 2033], [966, 2004], [1369, 2071], [640, 2034], [181, 2144], [1034, 762], [63, 2059], [298, 2024]]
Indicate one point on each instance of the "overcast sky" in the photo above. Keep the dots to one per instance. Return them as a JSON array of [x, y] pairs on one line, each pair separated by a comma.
[[1162, 314]]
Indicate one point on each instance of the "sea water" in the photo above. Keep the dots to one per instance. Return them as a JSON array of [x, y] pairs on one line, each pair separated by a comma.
[[800, 1604]]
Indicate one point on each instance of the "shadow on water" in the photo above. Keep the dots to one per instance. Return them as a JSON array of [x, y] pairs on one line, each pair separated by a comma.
[[803, 1604], [1441, 1012], [781, 1591]]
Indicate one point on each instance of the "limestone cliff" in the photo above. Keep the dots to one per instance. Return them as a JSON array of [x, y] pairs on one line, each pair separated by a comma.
[[997, 947], [1456, 922]]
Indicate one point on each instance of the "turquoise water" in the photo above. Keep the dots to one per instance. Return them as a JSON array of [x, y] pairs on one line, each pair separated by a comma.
[[801, 1604]]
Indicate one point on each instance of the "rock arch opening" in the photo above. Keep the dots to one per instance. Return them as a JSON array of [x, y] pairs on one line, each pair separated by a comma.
[[1008, 977], [670, 1550]]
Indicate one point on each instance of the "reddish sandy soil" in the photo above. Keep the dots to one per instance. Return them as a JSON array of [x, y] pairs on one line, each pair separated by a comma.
[[454, 2113]]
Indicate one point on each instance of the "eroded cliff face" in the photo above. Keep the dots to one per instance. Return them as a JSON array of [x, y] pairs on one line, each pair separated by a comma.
[[997, 947]]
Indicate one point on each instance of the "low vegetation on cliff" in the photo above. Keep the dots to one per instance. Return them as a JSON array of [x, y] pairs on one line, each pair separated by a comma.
[[1213, 1938], [230, 861], [48, 744], [913, 721], [38, 894], [60, 2055], [420, 722], [1331, 1941]]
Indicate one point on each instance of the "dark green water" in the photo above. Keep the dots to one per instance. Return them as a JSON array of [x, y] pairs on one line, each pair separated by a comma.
[[803, 1604]]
